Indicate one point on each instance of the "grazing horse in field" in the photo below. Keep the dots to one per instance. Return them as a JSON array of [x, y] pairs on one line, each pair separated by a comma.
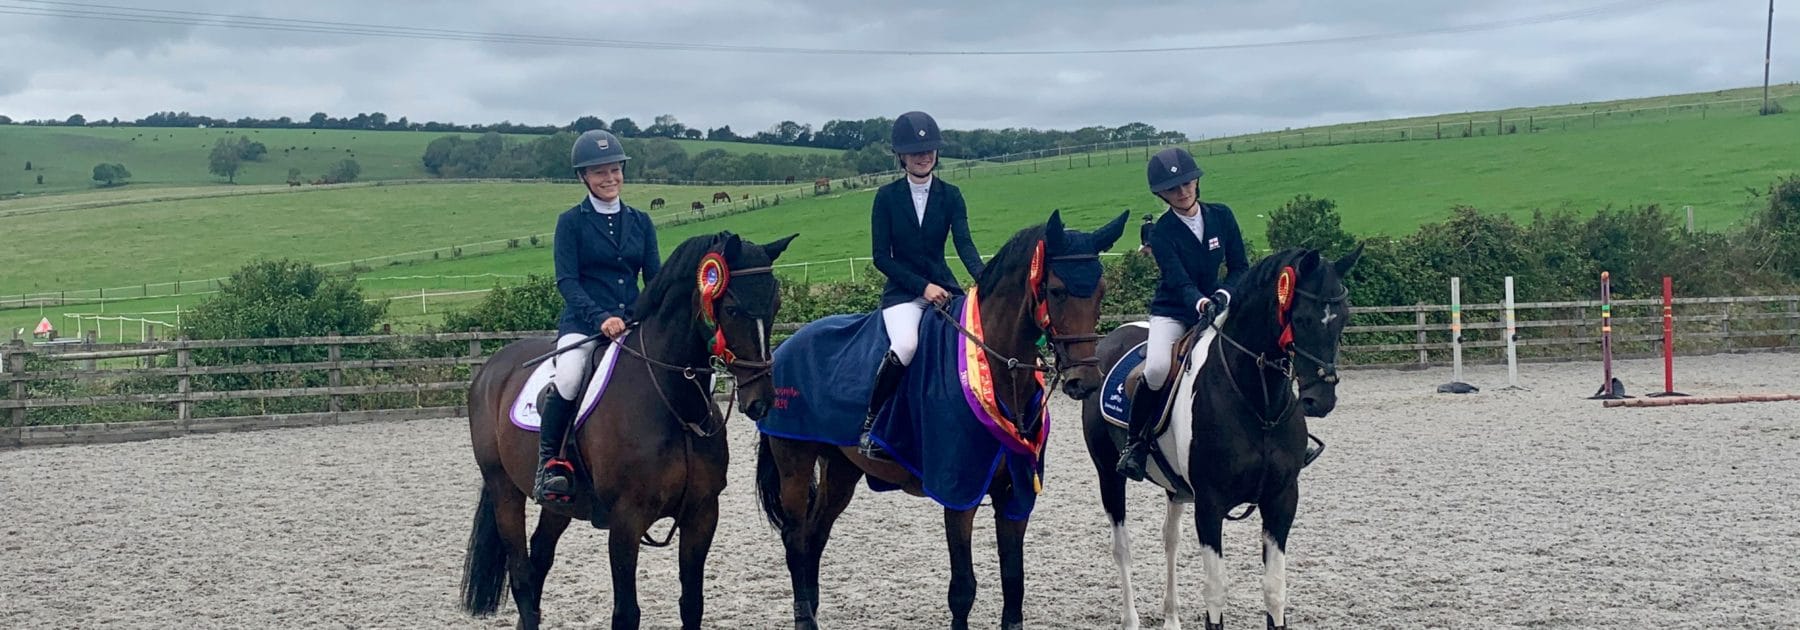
[[649, 442], [954, 412], [821, 185], [656, 203], [1236, 428], [721, 196]]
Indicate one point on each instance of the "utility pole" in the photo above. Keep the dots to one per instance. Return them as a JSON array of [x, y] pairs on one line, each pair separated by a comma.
[[1768, 39]]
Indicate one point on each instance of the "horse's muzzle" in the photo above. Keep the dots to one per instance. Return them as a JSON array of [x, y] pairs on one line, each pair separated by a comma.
[[755, 409]]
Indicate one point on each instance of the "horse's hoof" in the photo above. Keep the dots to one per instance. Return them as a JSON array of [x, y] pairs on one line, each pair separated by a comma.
[[1020, 625], [1215, 626], [1171, 624], [1269, 622]]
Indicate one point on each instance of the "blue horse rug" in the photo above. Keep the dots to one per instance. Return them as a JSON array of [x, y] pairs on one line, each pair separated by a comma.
[[943, 424]]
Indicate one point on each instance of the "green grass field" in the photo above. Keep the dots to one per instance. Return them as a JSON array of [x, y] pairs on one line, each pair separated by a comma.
[[1382, 188], [160, 157]]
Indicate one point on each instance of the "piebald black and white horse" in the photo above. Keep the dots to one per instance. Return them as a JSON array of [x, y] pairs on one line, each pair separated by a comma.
[[1236, 432]]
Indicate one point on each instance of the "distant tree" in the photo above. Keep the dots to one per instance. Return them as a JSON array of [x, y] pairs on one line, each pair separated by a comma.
[[40, 180], [624, 128], [723, 134], [4, 120], [693, 134], [108, 174], [27, 165], [293, 176], [318, 120], [250, 150], [76, 120], [377, 120], [666, 126], [587, 123], [225, 160], [342, 172]]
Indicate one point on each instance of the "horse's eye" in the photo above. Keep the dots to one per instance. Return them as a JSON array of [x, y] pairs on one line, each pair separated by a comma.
[[1059, 293], [734, 311]]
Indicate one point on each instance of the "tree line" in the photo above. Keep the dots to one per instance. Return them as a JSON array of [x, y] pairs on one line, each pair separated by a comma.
[[846, 135], [494, 155]]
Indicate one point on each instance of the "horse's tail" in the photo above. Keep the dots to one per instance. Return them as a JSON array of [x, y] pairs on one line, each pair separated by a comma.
[[768, 486], [484, 565]]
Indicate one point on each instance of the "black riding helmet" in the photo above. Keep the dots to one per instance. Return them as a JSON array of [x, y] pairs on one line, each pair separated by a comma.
[[916, 132], [595, 147], [1170, 168]]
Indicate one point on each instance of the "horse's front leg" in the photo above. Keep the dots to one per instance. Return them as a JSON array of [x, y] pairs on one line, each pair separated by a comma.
[[1011, 535], [1209, 521], [959, 532], [622, 551], [696, 541], [1277, 518]]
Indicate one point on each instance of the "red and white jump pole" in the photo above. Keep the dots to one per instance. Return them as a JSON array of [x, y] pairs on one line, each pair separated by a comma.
[[1668, 341]]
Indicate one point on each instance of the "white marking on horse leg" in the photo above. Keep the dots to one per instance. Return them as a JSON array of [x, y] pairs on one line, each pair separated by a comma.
[[1275, 580], [1214, 592], [1122, 557], [1171, 551]]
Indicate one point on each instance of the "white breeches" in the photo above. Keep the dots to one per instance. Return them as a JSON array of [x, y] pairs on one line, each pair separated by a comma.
[[1164, 332], [902, 324], [571, 365]]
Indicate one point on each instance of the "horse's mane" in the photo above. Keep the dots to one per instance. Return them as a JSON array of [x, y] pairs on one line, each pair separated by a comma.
[[1014, 255], [1259, 279], [675, 282]]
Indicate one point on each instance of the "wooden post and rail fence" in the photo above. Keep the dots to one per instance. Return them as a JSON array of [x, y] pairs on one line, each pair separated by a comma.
[[90, 393]]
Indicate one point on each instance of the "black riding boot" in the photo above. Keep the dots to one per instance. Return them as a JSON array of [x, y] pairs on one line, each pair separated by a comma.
[[887, 380], [555, 476], [1146, 405]]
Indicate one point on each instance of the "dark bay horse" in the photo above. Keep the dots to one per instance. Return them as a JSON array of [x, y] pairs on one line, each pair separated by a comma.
[[653, 448], [1237, 427], [805, 485]]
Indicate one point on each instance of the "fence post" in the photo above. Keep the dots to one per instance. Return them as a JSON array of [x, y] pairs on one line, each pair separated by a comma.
[[1725, 323], [1424, 355], [93, 336], [184, 410], [15, 365], [335, 354], [475, 344], [1793, 309]]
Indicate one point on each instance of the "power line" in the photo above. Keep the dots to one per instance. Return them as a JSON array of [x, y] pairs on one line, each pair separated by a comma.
[[116, 13]]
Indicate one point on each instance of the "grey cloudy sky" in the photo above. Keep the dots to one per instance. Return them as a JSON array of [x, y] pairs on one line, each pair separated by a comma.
[[55, 66]]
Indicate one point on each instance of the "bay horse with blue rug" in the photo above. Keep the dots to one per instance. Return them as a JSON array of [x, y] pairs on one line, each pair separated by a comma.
[[969, 419], [1235, 429], [649, 441]]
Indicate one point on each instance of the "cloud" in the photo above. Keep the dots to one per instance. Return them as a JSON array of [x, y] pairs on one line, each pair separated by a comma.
[[106, 69]]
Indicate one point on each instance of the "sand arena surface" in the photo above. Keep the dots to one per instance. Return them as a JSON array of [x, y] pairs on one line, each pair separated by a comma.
[[1499, 509]]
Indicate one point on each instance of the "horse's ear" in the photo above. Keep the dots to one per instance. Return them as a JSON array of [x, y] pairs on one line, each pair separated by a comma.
[[1110, 233], [1053, 232], [1345, 264], [1310, 261], [774, 249], [731, 247]]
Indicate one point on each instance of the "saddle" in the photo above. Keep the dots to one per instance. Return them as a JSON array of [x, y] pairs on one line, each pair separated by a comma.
[[1178, 354]]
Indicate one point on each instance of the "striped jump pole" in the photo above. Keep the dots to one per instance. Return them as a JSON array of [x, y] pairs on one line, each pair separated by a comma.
[[1610, 388], [1456, 384], [1668, 341]]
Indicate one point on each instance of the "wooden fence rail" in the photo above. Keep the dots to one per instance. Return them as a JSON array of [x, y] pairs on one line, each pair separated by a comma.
[[159, 378]]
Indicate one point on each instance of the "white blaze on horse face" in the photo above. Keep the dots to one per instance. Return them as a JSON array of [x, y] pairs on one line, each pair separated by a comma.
[[1122, 557], [762, 339], [1214, 591], [1171, 551], [1275, 580], [1329, 315]]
